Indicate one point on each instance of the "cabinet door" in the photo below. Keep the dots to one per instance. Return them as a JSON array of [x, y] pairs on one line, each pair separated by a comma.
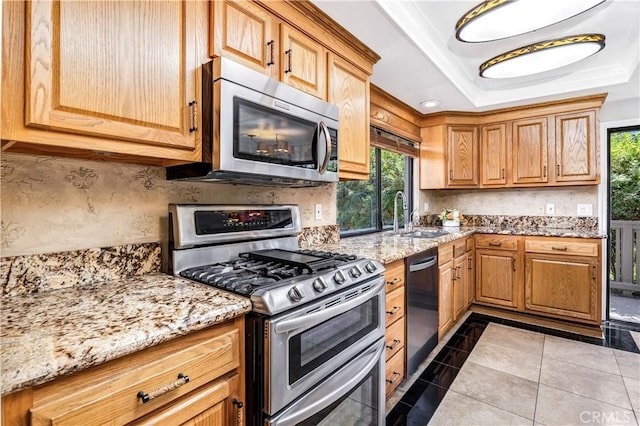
[[471, 278], [303, 62], [575, 149], [210, 405], [565, 286], [121, 70], [496, 277], [459, 279], [445, 299], [529, 148], [493, 155], [246, 33], [348, 87], [462, 156]]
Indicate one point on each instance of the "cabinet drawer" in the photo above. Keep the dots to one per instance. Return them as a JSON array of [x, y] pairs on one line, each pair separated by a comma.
[[445, 253], [394, 306], [497, 242], [561, 246], [394, 372], [394, 275], [469, 244], [459, 247], [394, 338], [110, 393]]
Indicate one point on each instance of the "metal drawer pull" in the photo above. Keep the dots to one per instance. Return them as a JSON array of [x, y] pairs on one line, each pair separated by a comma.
[[271, 61], [395, 376], [146, 397], [513, 261], [559, 248], [396, 342], [290, 54], [492, 244], [394, 281], [240, 406], [193, 116], [394, 311]]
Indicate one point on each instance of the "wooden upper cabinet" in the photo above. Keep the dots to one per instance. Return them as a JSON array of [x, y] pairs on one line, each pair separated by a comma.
[[576, 147], [303, 62], [529, 148], [462, 156], [246, 33], [120, 70], [348, 88], [494, 166]]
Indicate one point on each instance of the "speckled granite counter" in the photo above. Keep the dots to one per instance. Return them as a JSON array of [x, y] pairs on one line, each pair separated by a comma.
[[387, 247], [45, 335]]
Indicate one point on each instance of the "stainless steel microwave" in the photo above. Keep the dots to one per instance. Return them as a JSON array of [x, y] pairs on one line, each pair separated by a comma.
[[257, 130]]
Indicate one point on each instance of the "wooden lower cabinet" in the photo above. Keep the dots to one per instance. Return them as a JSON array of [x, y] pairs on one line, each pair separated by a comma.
[[445, 289], [192, 380], [471, 276], [496, 281], [459, 278], [396, 325]]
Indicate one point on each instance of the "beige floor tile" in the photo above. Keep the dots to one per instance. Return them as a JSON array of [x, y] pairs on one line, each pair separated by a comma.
[[506, 391], [507, 360], [456, 410], [633, 389], [562, 408], [629, 363], [584, 354], [515, 338], [585, 381]]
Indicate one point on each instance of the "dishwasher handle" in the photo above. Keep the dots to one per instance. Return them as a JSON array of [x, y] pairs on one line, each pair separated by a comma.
[[423, 264]]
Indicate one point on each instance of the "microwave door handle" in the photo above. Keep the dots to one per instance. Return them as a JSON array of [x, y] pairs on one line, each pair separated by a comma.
[[339, 387], [327, 155], [307, 321]]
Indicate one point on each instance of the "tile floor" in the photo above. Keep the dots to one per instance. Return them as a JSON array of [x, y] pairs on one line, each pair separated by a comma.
[[500, 372]]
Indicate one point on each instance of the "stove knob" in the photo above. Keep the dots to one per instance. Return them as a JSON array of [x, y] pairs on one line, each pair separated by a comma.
[[339, 277], [295, 295], [319, 285], [355, 272], [370, 267]]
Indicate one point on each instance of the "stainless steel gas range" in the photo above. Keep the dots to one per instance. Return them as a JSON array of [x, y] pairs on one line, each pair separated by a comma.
[[315, 338]]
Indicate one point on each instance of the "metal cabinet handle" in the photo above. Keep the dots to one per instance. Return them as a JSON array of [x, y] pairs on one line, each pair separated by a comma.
[[240, 414], [288, 53], [146, 397], [470, 263], [193, 116], [558, 170], [394, 281], [492, 244], [457, 268], [395, 376], [513, 261], [271, 44], [544, 171], [502, 174], [394, 311], [450, 175], [395, 343], [559, 248], [593, 271]]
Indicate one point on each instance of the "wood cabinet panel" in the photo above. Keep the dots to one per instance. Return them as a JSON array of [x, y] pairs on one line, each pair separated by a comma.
[[496, 280], [567, 246], [564, 286], [348, 87], [501, 242], [494, 155], [445, 299], [246, 33], [394, 306], [394, 338], [471, 278], [303, 62], [462, 156], [459, 278], [576, 147], [394, 275], [395, 370], [529, 148]]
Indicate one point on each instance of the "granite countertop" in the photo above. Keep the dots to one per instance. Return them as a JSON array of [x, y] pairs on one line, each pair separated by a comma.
[[387, 246], [48, 334]]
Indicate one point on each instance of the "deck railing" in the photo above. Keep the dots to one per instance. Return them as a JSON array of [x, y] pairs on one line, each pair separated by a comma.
[[625, 254]]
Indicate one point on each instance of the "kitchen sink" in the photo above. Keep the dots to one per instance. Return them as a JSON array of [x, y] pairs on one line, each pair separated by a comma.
[[425, 234]]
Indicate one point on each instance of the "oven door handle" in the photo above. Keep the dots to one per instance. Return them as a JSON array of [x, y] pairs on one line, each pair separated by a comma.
[[362, 365], [308, 321]]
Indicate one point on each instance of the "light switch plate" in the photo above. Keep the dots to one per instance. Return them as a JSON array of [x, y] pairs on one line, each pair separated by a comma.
[[585, 209], [550, 209], [318, 211]]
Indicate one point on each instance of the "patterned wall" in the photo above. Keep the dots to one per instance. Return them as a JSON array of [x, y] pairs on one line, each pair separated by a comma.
[[55, 204]]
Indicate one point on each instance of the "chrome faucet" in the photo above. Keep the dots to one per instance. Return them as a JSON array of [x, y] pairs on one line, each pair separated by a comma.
[[396, 226]]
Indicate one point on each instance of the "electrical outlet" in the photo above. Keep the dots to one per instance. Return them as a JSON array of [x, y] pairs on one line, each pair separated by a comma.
[[550, 209], [585, 209], [426, 207], [318, 211]]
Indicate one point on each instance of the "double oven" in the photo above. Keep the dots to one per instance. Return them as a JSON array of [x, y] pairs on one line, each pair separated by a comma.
[[314, 342]]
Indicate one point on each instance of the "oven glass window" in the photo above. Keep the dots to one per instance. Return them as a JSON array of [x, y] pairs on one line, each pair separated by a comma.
[[315, 346], [358, 407]]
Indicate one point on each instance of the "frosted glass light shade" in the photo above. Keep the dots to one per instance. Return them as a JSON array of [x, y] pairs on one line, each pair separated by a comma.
[[498, 19]]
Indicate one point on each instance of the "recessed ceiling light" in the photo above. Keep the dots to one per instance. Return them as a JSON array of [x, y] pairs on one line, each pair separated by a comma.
[[430, 103], [497, 19], [542, 56]]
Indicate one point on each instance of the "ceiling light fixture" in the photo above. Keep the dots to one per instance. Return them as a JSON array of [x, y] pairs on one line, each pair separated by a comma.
[[430, 103], [498, 19], [542, 56]]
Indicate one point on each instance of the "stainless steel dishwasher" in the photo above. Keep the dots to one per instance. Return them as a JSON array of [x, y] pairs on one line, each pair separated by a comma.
[[422, 306]]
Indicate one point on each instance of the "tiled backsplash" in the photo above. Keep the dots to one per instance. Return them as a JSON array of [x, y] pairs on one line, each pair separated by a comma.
[[56, 204]]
